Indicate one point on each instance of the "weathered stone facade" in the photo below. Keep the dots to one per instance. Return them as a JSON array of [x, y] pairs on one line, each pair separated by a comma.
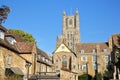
[[21, 57], [91, 57], [65, 63], [70, 31]]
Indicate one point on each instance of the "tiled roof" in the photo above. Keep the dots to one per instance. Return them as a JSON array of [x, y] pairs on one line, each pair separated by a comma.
[[6, 44], [88, 47], [116, 40], [25, 47], [42, 53], [17, 38]]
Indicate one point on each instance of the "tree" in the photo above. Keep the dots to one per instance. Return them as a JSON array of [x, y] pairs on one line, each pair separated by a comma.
[[25, 36], [4, 10]]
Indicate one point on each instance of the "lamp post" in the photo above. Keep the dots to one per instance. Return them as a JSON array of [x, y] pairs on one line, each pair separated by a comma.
[[27, 65]]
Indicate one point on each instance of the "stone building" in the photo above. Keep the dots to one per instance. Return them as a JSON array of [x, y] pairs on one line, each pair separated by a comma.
[[64, 61], [92, 58], [21, 57], [11, 61], [44, 63]]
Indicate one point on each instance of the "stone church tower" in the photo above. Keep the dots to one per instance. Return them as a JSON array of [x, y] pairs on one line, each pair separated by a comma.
[[70, 31]]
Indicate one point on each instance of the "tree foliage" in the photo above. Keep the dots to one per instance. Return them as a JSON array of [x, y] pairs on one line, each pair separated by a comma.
[[4, 10], [24, 35]]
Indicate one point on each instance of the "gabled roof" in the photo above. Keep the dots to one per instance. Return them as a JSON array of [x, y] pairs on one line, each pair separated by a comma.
[[42, 53], [88, 47], [66, 49], [39, 51]]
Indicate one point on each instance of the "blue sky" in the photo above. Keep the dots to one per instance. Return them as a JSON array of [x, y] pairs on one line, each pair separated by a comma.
[[99, 19]]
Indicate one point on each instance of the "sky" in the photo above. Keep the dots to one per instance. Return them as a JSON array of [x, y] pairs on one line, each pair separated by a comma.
[[99, 19]]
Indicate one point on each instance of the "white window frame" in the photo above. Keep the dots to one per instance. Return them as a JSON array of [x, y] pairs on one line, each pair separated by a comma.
[[2, 34], [107, 58], [94, 56], [94, 51], [39, 56], [104, 50], [94, 66], [83, 67], [11, 40], [82, 51]]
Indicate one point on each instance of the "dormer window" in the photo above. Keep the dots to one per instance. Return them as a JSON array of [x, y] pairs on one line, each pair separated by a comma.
[[47, 60], [104, 50], [2, 34], [11, 40], [43, 58], [39, 56], [93, 50], [82, 51]]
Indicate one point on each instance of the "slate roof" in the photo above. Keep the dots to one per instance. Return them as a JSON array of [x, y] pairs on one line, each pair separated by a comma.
[[88, 47]]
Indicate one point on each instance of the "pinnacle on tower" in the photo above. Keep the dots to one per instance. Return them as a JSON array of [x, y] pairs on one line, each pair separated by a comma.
[[64, 13]]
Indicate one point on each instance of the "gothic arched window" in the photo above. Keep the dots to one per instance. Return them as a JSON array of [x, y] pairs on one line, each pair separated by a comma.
[[70, 22], [64, 62]]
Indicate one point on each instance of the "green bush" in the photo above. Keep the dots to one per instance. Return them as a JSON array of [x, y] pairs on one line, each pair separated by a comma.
[[14, 77], [98, 76], [85, 77]]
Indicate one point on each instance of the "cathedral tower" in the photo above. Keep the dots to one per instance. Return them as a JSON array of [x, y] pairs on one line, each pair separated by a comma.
[[70, 30]]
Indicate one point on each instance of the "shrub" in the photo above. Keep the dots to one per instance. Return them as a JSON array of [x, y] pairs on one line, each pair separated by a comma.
[[98, 76], [14, 77], [85, 77]]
